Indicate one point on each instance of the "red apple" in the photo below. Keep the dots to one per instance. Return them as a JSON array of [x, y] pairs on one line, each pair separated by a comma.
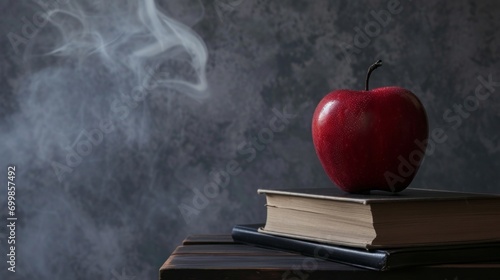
[[370, 139]]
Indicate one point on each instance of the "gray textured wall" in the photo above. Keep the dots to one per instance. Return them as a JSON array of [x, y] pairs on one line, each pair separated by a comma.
[[208, 78]]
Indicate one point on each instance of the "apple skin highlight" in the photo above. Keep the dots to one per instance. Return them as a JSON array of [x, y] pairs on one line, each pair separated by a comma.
[[370, 140]]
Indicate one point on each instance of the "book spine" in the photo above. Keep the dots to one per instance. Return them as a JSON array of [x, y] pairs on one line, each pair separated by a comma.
[[354, 257]]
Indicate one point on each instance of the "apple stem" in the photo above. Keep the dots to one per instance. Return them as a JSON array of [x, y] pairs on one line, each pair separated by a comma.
[[370, 70]]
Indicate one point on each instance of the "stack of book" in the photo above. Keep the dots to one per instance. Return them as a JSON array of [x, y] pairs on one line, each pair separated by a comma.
[[380, 231]]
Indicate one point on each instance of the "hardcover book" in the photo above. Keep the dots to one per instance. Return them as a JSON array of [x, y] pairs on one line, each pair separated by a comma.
[[414, 217], [371, 259]]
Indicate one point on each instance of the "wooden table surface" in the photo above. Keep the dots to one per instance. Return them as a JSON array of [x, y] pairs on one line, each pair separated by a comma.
[[218, 257]]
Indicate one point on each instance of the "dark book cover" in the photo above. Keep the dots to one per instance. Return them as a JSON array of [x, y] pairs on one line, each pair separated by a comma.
[[371, 259], [409, 194]]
